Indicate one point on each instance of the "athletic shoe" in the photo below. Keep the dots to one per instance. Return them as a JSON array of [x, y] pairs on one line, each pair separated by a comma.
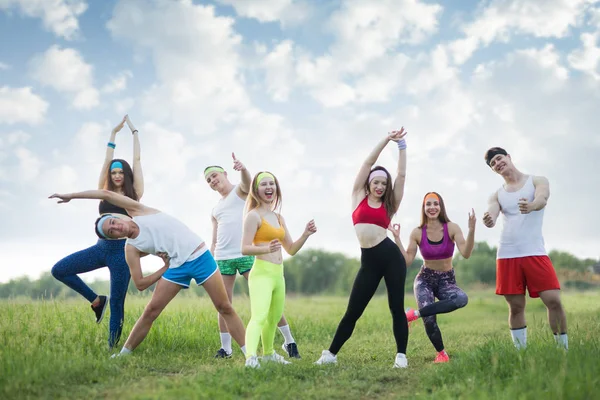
[[411, 315], [275, 358], [401, 361], [222, 354], [100, 309], [252, 362], [291, 349], [442, 357], [326, 358]]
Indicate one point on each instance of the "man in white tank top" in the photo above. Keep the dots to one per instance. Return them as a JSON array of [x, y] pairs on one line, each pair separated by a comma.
[[522, 262], [227, 221]]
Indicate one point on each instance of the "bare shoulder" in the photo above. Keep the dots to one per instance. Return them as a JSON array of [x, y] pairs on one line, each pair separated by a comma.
[[253, 216], [453, 228], [415, 234], [540, 180]]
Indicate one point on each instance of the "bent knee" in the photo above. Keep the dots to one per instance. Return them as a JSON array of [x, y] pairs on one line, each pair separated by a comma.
[[151, 312], [58, 271], [553, 304], [461, 300], [225, 308]]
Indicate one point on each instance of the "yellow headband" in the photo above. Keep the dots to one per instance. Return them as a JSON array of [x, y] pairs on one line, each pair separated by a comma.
[[262, 176], [208, 170], [431, 196]]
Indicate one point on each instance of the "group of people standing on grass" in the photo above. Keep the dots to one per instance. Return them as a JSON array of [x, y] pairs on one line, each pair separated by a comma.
[[249, 234]]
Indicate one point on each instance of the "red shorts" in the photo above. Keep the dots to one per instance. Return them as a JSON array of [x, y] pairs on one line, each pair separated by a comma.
[[535, 273]]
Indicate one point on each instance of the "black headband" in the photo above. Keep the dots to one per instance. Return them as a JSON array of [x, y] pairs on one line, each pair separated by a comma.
[[493, 153]]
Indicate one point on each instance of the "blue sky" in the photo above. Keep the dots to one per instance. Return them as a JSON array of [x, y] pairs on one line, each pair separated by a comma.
[[302, 88]]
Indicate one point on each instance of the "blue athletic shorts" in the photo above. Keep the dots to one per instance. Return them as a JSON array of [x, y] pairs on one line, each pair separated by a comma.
[[200, 269]]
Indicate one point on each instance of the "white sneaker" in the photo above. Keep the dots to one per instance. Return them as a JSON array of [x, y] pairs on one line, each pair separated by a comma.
[[401, 361], [275, 358], [252, 362], [326, 358]]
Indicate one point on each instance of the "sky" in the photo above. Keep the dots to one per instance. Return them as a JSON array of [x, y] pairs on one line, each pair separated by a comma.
[[304, 89]]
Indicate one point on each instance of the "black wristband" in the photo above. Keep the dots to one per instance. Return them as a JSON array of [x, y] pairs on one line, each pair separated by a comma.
[[134, 131]]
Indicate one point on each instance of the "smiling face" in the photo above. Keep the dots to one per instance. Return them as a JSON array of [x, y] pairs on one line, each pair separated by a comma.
[[117, 176], [501, 163], [267, 190], [116, 228], [216, 180], [378, 186], [432, 208]]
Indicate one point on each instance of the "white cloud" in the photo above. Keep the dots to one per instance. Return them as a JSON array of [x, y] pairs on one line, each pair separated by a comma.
[[66, 71], [587, 58], [195, 55], [500, 20], [59, 16], [284, 11], [118, 82], [122, 106], [21, 105], [4, 66], [363, 63], [279, 70]]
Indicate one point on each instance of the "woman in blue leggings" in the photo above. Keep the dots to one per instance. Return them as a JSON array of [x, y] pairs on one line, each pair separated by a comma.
[[117, 176]]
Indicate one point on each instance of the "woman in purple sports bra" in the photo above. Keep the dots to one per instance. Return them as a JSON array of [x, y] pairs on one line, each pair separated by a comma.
[[435, 238]]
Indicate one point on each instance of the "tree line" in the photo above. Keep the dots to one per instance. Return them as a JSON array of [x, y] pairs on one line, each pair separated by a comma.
[[313, 272]]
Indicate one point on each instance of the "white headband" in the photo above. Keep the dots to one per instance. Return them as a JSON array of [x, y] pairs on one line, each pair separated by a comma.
[[376, 173]]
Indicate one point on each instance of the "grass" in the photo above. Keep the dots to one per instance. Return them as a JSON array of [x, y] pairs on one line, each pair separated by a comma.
[[53, 349]]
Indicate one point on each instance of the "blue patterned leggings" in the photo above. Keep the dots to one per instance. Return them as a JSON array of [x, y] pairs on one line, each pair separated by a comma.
[[430, 284], [105, 253]]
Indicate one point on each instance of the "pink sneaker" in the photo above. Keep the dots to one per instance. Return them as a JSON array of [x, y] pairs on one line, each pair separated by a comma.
[[411, 315], [442, 357]]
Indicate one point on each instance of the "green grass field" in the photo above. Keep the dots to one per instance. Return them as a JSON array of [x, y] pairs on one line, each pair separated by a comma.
[[54, 349]]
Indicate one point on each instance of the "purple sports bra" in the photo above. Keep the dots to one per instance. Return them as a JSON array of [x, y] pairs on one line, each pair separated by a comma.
[[440, 251]]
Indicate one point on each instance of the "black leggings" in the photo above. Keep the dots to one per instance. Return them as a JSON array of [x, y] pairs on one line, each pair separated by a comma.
[[382, 261]]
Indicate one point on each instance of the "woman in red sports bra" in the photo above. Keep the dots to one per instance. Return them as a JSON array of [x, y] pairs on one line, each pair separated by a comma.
[[435, 238], [375, 199]]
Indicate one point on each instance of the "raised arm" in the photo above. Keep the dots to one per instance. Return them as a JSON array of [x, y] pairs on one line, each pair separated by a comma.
[[410, 253], [138, 176], [401, 171], [213, 244], [110, 152], [540, 199], [365, 168], [288, 244], [132, 257], [244, 186], [491, 215], [251, 224], [465, 247], [133, 207]]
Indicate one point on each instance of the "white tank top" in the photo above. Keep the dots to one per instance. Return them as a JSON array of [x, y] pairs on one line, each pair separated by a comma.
[[229, 213], [161, 233], [521, 233]]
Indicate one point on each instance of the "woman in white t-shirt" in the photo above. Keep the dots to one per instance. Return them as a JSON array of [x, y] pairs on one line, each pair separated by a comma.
[[186, 256]]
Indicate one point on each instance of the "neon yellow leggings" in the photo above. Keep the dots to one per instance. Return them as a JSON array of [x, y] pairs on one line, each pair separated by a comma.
[[267, 298]]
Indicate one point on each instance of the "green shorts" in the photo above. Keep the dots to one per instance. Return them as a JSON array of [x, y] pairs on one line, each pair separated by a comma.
[[231, 266]]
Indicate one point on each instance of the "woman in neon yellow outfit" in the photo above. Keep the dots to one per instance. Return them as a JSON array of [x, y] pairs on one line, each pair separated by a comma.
[[265, 233]]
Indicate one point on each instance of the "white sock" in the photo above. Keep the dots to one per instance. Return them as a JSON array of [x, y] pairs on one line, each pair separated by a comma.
[[125, 350], [417, 313], [285, 331], [243, 348], [519, 337], [226, 342], [562, 339]]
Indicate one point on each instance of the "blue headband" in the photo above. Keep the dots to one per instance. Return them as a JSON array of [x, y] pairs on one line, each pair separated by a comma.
[[116, 164], [101, 222]]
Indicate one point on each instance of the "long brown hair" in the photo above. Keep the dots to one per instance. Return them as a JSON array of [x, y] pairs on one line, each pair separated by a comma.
[[128, 189], [388, 196], [443, 217], [253, 201]]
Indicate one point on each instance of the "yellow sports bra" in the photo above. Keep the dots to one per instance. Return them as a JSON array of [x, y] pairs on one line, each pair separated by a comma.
[[267, 232]]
